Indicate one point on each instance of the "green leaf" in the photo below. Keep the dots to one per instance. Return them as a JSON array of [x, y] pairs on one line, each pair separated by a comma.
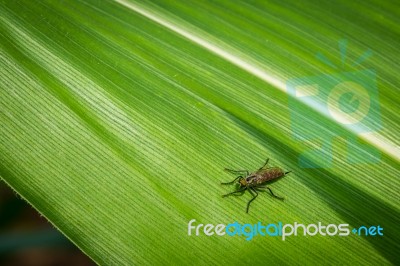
[[118, 118]]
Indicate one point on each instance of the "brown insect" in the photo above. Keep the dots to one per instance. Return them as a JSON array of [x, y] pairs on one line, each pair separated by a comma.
[[256, 181]]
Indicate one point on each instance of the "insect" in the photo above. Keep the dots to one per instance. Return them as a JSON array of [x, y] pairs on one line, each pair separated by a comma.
[[255, 181]]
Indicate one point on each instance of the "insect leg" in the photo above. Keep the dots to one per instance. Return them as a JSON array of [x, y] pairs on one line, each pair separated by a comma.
[[254, 197], [287, 172], [240, 193], [272, 193], [262, 188], [236, 171], [266, 162], [240, 190], [229, 183]]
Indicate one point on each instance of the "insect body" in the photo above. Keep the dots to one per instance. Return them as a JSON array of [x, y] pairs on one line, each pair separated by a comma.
[[255, 181]]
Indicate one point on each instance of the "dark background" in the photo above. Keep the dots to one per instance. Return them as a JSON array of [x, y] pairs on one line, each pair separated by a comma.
[[28, 239]]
